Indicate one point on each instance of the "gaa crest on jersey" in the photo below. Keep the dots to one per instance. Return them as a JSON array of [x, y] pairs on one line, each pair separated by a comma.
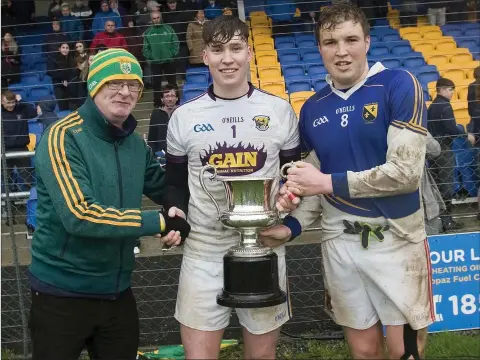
[[234, 160], [370, 112], [261, 122], [125, 67]]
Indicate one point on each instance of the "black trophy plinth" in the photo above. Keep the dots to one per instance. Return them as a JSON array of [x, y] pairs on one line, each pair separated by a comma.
[[251, 282]]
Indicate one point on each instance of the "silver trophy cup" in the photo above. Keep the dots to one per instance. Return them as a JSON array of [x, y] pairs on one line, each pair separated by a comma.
[[250, 269]]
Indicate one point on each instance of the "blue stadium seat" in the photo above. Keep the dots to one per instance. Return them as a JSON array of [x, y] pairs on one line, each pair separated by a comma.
[[391, 37], [401, 49], [475, 50], [374, 38], [285, 45], [284, 39], [467, 26], [293, 70], [379, 50], [448, 27], [305, 43], [315, 69], [35, 127], [453, 32], [304, 37], [38, 92], [384, 30], [467, 43], [301, 77], [295, 86], [425, 77], [312, 57], [289, 57], [46, 79], [197, 78], [472, 32], [307, 50], [413, 62], [381, 22], [423, 68], [40, 66], [192, 93], [194, 70], [392, 63], [319, 84], [30, 78]]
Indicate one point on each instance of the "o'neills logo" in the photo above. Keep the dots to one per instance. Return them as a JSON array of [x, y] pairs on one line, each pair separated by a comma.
[[235, 160]]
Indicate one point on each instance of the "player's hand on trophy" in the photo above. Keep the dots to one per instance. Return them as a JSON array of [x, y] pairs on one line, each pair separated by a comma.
[[176, 227], [275, 236], [304, 179], [286, 200]]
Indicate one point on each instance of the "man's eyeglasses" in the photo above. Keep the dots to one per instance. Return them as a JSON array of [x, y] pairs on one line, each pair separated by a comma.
[[118, 85]]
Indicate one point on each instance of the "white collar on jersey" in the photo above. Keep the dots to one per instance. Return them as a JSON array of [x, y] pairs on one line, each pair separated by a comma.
[[375, 69]]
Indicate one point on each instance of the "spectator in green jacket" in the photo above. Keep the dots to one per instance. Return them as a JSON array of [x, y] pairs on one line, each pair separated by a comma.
[[160, 47], [92, 169]]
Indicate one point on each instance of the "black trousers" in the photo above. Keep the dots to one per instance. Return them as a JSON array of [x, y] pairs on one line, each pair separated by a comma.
[[169, 69], [61, 327], [61, 94]]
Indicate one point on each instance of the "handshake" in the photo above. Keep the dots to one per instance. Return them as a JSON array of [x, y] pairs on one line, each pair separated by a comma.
[[303, 179], [176, 227]]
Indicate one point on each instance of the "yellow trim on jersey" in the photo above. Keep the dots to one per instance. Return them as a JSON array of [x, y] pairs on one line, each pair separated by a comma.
[[62, 172]]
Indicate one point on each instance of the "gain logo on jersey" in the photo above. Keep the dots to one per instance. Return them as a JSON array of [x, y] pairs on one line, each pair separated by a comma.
[[235, 159], [370, 112], [261, 122]]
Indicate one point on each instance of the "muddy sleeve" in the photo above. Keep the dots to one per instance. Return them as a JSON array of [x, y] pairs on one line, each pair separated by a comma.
[[406, 140]]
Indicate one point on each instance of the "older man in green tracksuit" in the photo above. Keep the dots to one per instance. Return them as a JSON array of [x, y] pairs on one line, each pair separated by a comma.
[[92, 170], [160, 47]]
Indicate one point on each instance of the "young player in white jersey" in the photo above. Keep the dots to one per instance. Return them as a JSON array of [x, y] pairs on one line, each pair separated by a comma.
[[367, 128], [240, 130]]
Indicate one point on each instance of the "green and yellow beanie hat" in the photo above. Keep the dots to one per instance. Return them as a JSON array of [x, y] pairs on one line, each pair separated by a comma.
[[112, 64]]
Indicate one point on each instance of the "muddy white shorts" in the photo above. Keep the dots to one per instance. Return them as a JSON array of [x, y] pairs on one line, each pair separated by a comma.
[[390, 281], [201, 281]]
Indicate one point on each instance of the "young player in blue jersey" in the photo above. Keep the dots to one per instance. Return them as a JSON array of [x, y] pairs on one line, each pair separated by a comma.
[[367, 128]]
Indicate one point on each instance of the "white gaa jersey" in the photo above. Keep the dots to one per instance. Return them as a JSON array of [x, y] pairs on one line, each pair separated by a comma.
[[240, 137]]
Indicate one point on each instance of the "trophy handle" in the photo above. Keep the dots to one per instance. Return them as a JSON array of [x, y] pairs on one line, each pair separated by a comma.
[[284, 169], [211, 177]]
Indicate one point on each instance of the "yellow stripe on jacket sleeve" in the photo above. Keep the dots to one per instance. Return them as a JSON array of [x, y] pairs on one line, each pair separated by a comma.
[[58, 171], [77, 187]]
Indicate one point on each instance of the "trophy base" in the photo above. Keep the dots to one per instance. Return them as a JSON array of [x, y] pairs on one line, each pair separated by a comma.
[[250, 302], [251, 282]]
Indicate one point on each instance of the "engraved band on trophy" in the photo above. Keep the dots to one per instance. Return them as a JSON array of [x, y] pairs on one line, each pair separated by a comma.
[[250, 269]]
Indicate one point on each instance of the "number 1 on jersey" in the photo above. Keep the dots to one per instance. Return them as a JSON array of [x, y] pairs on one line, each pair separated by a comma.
[[234, 128]]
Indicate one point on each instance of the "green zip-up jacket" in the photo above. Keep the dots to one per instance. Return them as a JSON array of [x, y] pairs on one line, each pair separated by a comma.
[[160, 44], [90, 181]]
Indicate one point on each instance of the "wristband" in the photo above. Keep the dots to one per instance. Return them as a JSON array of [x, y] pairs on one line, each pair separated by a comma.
[[294, 225]]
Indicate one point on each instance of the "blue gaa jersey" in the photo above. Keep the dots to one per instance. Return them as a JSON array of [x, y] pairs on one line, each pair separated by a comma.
[[371, 138]]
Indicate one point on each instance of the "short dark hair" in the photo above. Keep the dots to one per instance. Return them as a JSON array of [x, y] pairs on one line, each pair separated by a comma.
[[333, 15], [9, 95], [223, 28], [169, 87], [445, 83]]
